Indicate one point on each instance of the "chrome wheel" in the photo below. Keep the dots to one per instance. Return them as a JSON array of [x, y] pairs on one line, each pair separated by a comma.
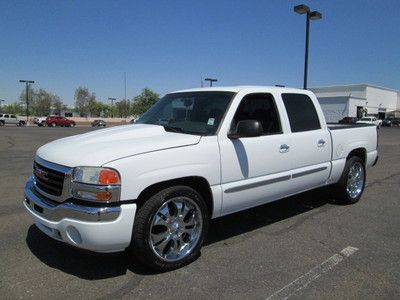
[[355, 180], [176, 229]]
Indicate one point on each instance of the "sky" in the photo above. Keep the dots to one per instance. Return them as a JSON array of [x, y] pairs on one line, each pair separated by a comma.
[[171, 45]]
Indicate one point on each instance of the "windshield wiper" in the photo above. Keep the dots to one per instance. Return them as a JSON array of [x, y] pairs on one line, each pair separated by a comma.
[[173, 129]]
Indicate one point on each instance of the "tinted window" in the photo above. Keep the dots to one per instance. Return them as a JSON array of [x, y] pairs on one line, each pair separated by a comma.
[[6, 116], [12, 116], [1, 115], [260, 107], [301, 112]]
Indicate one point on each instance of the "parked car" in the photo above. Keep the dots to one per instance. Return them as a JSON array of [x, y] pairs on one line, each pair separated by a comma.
[[391, 122], [348, 120], [99, 123], [40, 121], [54, 121], [370, 120], [152, 188], [10, 119]]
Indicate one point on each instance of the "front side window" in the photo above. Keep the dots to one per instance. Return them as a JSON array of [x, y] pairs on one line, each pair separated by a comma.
[[198, 113], [301, 112], [260, 107], [6, 116]]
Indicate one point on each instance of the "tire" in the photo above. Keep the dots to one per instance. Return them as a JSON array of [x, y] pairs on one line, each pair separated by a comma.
[[43, 124], [1, 123], [21, 123], [53, 124], [343, 190], [159, 225], [72, 125]]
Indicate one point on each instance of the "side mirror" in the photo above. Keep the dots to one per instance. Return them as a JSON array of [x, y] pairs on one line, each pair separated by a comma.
[[246, 128]]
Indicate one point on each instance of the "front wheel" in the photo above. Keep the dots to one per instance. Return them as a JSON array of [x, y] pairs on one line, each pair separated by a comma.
[[351, 185], [170, 228], [53, 124], [72, 125]]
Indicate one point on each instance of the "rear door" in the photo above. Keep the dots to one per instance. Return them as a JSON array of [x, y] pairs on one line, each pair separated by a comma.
[[309, 142]]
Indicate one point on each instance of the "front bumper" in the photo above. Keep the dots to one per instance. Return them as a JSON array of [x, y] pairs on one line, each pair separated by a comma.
[[100, 229]]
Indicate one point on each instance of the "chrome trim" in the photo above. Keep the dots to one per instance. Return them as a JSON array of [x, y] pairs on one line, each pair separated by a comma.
[[66, 191], [257, 184], [115, 191], [304, 173], [52, 212]]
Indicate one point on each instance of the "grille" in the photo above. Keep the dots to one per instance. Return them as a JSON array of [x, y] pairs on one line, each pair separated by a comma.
[[48, 180]]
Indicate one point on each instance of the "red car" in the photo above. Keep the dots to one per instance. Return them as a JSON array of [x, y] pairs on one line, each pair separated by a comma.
[[54, 121]]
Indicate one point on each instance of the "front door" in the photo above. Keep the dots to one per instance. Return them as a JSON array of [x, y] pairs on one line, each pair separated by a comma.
[[255, 170]]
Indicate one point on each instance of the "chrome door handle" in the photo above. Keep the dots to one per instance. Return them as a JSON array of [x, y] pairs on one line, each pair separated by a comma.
[[284, 148], [321, 143]]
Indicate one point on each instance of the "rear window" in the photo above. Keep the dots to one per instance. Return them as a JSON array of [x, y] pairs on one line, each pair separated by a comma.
[[301, 112]]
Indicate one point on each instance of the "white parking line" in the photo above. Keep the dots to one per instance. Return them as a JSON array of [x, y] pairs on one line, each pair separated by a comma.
[[304, 280]]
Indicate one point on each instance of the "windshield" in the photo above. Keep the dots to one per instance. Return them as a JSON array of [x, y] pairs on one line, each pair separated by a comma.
[[197, 113]]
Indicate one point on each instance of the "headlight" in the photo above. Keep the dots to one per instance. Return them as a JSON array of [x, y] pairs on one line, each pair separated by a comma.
[[94, 175], [96, 184]]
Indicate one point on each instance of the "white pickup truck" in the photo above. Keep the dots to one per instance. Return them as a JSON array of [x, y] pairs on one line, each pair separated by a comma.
[[152, 187]]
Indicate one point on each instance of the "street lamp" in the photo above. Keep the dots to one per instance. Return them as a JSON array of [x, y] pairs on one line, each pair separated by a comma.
[[27, 83], [112, 105], [311, 15], [211, 80]]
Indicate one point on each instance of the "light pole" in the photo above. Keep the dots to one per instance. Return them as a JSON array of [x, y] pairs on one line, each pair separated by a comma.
[[211, 80], [27, 83], [311, 15], [112, 105]]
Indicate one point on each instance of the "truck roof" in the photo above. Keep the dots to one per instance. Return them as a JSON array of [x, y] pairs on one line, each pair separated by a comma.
[[239, 88]]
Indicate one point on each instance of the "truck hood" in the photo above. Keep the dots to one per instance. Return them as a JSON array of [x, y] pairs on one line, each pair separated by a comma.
[[99, 147]]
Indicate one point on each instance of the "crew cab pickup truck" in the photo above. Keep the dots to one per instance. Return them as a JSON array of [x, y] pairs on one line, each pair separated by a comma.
[[10, 119], [152, 187]]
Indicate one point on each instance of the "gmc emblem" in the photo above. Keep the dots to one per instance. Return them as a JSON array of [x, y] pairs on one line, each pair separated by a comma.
[[41, 174]]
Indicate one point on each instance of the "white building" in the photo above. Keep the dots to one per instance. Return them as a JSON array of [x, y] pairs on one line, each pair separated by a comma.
[[355, 100]]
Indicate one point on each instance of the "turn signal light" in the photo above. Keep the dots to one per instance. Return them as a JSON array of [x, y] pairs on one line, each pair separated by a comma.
[[108, 176], [103, 196]]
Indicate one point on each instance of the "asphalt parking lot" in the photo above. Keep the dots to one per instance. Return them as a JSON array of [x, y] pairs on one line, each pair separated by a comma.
[[292, 247]]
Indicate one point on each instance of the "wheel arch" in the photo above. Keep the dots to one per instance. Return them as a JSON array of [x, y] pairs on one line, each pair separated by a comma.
[[198, 183], [359, 152]]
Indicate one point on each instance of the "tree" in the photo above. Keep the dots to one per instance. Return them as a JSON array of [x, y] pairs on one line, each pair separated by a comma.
[[12, 108], [85, 102], [142, 102], [123, 108], [41, 102]]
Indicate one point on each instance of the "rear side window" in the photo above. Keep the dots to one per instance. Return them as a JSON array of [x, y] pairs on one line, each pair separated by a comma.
[[13, 116], [301, 112]]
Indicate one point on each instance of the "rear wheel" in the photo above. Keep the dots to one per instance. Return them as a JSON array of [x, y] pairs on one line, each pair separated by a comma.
[[72, 125], [351, 185], [1, 123], [170, 228], [53, 124]]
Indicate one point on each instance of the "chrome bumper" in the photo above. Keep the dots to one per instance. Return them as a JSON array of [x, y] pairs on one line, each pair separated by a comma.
[[67, 210]]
